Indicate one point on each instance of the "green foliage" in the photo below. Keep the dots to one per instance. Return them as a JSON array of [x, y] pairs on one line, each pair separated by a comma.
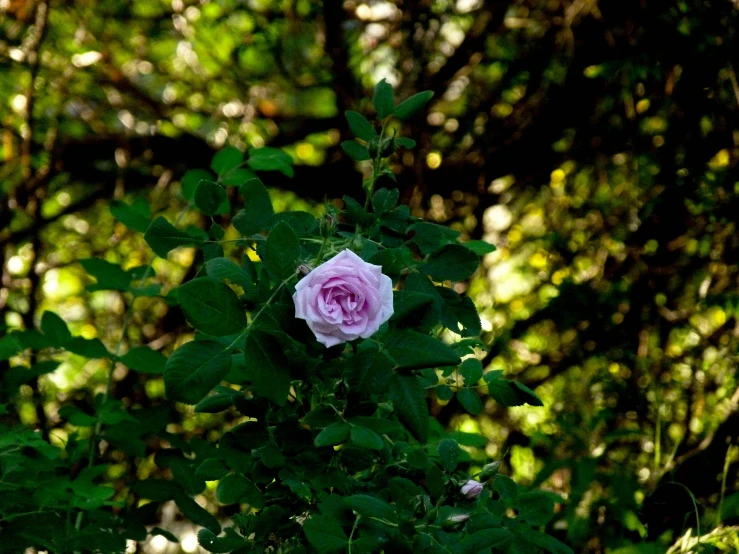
[[336, 448]]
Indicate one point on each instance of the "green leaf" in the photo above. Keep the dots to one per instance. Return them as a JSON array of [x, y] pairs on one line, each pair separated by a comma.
[[283, 250], [257, 213], [357, 214], [237, 177], [452, 262], [195, 513], [55, 328], [509, 393], [486, 539], [194, 369], [144, 360], [303, 223], [479, 247], [415, 350], [210, 198], [226, 269], [211, 307], [383, 99], [135, 217], [220, 545], [384, 200], [409, 398], [232, 488], [366, 438], [459, 313], [190, 182], [267, 366], [369, 506], [216, 402], [410, 106], [471, 371], [430, 236], [89, 348], [449, 454], [212, 469], [470, 400], [368, 372], [325, 534], [404, 142], [225, 160], [162, 237], [271, 159], [553, 546], [360, 126], [334, 434], [109, 276], [535, 507], [377, 424], [355, 151]]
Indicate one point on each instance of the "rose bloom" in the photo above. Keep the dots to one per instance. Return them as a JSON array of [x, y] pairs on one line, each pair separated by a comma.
[[471, 489], [344, 299]]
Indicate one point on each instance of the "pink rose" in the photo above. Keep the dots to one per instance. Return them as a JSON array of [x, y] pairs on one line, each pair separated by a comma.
[[471, 489], [344, 299]]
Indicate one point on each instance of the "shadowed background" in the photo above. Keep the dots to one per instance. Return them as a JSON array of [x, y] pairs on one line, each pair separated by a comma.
[[595, 143]]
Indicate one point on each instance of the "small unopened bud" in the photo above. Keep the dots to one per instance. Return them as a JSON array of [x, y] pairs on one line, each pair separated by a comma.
[[489, 470], [327, 225], [471, 489], [304, 269], [453, 520]]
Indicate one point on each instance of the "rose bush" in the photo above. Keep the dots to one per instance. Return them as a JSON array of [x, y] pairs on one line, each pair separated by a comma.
[[319, 449], [344, 299]]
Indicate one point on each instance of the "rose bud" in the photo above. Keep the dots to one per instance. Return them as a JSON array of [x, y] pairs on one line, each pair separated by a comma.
[[344, 299], [471, 489], [453, 520]]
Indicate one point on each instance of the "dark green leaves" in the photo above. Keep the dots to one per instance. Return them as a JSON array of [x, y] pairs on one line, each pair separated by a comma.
[[271, 159], [334, 434], [366, 438], [283, 250], [411, 106], [369, 506], [384, 200], [470, 400], [451, 263], [210, 198], [144, 360], [417, 351], [257, 213], [383, 99], [510, 393], [55, 329], [449, 454], [486, 539], [109, 276], [360, 126], [135, 216], [162, 237], [409, 398], [211, 307], [225, 160], [325, 534], [267, 366], [194, 369], [227, 269], [356, 151]]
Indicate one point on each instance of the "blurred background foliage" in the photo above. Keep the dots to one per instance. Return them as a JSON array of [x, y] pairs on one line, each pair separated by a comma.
[[595, 143]]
